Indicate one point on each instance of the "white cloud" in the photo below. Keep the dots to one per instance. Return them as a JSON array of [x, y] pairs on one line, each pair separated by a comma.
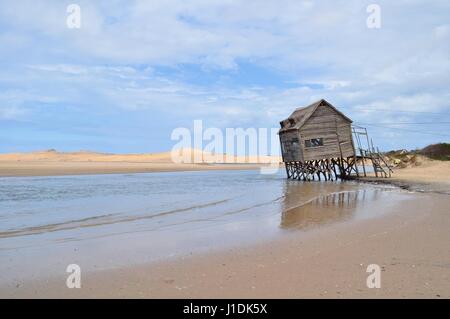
[[324, 47], [442, 32], [11, 112]]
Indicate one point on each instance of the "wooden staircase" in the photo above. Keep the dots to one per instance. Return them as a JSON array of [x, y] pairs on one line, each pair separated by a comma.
[[380, 167]]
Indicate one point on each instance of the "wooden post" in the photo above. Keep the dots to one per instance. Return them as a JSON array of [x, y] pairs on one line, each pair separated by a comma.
[[354, 155], [361, 152], [362, 159]]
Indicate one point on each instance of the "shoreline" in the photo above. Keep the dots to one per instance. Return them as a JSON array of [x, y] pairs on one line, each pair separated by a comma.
[[326, 262], [408, 185], [410, 182], [407, 241], [430, 177], [50, 168], [54, 163]]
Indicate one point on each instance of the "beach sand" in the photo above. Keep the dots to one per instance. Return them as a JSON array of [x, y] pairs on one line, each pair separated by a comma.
[[430, 171], [51, 163], [410, 242], [430, 176]]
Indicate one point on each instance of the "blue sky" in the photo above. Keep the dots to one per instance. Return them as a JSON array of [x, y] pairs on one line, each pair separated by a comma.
[[136, 70]]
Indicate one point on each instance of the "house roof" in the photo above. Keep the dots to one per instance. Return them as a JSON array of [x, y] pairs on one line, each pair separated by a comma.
[[301, 115]]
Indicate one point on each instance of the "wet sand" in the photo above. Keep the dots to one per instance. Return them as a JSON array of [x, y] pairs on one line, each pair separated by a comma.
[[410, 242]]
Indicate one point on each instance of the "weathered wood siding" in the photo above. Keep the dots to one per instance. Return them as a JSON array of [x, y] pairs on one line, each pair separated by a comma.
[[333, 128], [291, 150]]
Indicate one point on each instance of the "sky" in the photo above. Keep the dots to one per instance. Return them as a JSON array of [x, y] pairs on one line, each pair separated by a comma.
[[136, 70]]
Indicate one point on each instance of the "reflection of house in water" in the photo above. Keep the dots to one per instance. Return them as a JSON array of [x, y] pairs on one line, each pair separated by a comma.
[[329, 208]]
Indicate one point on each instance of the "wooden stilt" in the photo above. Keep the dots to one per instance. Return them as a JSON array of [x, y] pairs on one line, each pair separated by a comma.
[[326, 169]]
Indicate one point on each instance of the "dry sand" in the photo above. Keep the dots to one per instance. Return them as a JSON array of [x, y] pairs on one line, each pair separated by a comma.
[[430, 176], [429, 171], [48, 163]]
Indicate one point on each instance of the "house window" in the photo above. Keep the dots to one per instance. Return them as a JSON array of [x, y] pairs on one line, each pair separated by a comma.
[[314, 142]]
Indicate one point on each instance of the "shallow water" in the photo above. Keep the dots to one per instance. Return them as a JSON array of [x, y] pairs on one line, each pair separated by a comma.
[[104, 221]]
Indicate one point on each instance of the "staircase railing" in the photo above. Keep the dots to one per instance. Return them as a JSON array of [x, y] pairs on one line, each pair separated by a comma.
[[370, 153]]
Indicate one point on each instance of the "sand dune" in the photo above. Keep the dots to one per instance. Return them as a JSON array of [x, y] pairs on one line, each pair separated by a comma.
[[427, 171]]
